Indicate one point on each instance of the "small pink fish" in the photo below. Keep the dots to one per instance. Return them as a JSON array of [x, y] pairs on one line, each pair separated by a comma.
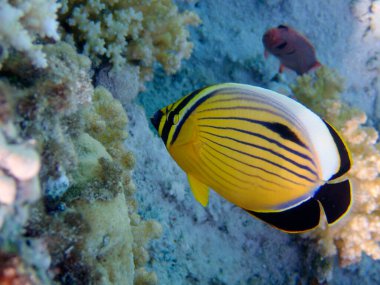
[[292, 49]]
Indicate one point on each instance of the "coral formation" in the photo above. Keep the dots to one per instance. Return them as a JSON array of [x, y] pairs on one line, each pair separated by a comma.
[[124, 83], [139, 32], [20, 188], [368, 12], [24, 21], [61, 135], [111, 246], [79, 133], [359, 231], [12, 271]]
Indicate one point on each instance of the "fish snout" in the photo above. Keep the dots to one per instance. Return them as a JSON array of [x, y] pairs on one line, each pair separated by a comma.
[[156, 119], [271, 38]]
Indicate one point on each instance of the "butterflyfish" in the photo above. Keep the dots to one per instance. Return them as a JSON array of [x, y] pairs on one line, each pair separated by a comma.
[[292, 49], [260, 150]]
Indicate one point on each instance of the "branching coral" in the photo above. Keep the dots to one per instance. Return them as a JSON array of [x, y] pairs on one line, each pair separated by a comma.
[[130, 31], [22, 22], [360, 230]]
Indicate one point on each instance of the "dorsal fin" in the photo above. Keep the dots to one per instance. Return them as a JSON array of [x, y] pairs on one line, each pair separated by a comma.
[[303, 217], [345, 158]]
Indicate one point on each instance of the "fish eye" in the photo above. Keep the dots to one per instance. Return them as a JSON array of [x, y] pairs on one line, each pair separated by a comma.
[[175, 119], [172, 118], [282, 46]]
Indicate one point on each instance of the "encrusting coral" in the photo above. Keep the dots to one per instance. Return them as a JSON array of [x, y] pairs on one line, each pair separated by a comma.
[[24, 21], [359, 231], [79, 133], [84, 228], [135, 31]]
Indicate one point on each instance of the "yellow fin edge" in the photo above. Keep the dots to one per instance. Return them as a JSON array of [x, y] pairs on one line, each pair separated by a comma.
[[199, 189]]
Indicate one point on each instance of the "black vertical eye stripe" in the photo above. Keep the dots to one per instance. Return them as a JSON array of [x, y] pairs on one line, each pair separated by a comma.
[[169, 123], [188, 113]]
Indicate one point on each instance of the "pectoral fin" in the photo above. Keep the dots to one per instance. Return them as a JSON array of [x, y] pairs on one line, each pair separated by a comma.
[[199, 189]]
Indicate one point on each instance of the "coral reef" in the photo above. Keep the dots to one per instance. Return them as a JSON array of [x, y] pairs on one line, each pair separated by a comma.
[[78, 132], [13, 272], [124, 83], [359, 231], [141, 32], [20, 188], [24, 21], [368, 12]]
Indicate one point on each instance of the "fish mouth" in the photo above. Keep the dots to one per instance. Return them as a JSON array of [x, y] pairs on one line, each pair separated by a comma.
[[156, 119], [271, 38]]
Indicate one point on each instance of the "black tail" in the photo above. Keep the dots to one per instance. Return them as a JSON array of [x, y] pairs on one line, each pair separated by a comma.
[[334, 198]]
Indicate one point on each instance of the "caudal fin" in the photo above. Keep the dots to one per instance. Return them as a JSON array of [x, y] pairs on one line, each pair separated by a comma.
[[335, 199]]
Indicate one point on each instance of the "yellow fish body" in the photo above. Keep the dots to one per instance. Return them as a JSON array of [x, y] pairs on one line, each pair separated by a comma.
[[260, 150]]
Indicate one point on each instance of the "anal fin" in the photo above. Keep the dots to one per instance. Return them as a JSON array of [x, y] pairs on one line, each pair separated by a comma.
[[199, 189], [335, 199], [302, 217]]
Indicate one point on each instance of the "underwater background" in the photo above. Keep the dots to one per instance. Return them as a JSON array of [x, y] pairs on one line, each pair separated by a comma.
[[89, 193]]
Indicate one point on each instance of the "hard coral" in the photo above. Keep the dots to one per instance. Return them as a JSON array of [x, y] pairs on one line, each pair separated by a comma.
[[12, 271], [359, 231], [130, 31], [368, 11], [22, 22], [85, 172]]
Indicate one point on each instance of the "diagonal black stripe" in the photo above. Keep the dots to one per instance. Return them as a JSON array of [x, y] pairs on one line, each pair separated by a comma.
[[267, 150], [245, 95], [262, 159], [253, 166], [213, 175], [209, 161], [241, 108], [243, 172], [304, 156], [278, 128]]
